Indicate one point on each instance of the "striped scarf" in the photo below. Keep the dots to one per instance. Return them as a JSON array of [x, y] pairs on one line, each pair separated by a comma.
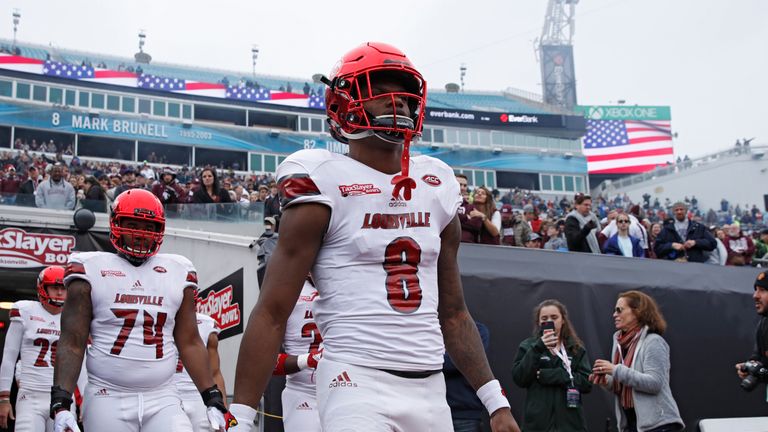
[[627, 344]]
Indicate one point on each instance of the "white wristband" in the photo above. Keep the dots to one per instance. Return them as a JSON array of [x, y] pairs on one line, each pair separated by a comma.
[[302, 361], [490, 394], [244, 414]]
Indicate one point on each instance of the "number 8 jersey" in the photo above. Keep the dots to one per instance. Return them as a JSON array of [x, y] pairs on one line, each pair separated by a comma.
[[376, 271], [134, 314]]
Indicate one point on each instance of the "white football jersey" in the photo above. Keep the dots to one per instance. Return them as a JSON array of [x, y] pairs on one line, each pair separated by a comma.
[[34, 370], [205, 325], [134, 314], [376, 270], [301, 337]]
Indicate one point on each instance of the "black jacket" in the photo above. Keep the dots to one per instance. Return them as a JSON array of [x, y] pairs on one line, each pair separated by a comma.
[[200, 196], [546, 380], [761, 346], [26, 195], [705, 242], [577, 236]]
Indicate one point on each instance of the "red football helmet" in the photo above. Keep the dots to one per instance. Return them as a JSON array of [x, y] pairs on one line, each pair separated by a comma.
[[350, 86], [53, 275], [142, 205]]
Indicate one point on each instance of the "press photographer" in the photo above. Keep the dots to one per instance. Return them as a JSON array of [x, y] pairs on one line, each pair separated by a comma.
[[754, 371]]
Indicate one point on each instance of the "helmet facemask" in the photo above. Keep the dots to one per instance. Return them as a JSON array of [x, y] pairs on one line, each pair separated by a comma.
[[136, 244]]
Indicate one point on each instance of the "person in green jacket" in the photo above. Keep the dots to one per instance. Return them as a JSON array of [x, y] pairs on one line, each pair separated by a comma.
[[554, 368]]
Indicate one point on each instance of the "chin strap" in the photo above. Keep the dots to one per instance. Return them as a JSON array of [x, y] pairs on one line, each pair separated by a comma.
[[402, 181]]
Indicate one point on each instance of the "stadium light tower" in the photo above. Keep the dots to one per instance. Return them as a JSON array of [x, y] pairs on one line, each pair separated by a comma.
[[463, 70], [16, 18], [254, 57], [141, 56], [142, 39], [555, 53]]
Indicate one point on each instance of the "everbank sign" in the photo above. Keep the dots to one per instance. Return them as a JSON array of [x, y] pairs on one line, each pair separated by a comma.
[[20, 249]]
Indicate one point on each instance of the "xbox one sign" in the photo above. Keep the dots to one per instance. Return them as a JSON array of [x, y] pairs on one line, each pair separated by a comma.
[[622, 112]]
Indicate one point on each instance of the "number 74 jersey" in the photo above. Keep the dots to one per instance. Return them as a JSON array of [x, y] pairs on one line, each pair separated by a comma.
[[376, 271], [134, 314]]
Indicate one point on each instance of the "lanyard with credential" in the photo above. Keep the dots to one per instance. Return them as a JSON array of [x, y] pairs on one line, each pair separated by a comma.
[[563, 354]]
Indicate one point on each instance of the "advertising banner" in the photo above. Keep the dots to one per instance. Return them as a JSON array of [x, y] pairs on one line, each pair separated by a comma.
[[223, 302], [497, 119], [558, 75]]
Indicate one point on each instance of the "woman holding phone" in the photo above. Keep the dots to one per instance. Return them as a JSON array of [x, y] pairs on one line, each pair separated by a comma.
[[553, 366], [638, 374]]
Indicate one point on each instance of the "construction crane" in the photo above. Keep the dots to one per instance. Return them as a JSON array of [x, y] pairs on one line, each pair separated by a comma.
[[554, 50]]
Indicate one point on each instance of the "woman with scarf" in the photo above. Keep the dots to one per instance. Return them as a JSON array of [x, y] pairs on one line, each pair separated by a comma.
[[581, 226], [638, 375], [552, 366], [485, 210]]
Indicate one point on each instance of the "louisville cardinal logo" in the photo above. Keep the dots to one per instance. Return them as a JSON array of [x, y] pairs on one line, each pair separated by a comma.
[[230, 420]]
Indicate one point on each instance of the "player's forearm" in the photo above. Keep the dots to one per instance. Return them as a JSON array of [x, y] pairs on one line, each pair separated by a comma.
[[195, 358], [10, 354], [463, 343], [256, 360], [69, 361]]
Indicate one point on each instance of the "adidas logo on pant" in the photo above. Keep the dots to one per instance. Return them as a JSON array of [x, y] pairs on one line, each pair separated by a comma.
[[342, 380], [304, 406]]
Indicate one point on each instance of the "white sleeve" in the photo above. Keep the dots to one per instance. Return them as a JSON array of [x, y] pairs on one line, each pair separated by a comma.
[[496, 220], [10, 353], [295, 182], [610, 229], [76, 268]]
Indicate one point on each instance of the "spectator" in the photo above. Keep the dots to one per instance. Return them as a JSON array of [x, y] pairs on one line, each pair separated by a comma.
[[147, 171], [638, 374], [210, 192], [485, 210], [128, 182], [556, 240], [553, 367], [470, 227], [761, 246], [26, 195], [507, 225], [55, 192], [534, 241], [9, 185], [95, 197], [531, 218], [272, 203], [682, 239], [466, 408], [167, 189], [622, 243], [263, 193], [581, 226], [266, 245], [718, 255], [740, 247], [143, 182]]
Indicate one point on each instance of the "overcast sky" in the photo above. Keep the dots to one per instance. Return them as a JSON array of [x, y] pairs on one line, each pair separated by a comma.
[[706, 59]]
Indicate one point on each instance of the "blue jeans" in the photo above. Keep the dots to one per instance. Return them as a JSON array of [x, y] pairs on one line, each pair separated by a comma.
[[466, 425]]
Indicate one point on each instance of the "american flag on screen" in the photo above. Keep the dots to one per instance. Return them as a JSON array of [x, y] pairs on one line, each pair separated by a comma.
[[178, 85], [627, 146], [317, 101], [87, 73]]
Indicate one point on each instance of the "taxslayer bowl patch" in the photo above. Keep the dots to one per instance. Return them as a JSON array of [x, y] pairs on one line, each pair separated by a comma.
[[358, 189]]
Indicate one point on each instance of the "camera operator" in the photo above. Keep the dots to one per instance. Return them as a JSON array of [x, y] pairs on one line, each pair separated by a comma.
[[753, 371]]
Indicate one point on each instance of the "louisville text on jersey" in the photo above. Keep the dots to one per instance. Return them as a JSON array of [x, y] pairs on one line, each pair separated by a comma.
[[139, 299], [396, 220], [49, 331], [218, 305], [358, 189], [35, 248]]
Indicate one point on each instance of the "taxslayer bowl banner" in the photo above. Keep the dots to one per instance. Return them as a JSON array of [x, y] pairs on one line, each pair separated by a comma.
[[223, 301], [24, 248]]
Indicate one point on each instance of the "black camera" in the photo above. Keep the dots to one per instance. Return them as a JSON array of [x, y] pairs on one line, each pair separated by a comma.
[[757, 373]]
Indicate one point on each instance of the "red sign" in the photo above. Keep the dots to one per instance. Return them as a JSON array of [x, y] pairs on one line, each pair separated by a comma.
[[221, 306], [20, 249]]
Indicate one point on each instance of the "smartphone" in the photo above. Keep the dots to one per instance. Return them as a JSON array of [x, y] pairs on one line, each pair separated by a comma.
[[547, 325]]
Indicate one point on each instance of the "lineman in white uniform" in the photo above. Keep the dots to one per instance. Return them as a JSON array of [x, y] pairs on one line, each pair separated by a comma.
[[34, 332], [302, 345], [191, 401], [376, 254], [138, 307]]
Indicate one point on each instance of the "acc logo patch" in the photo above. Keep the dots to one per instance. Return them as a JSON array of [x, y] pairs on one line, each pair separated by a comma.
[[431, 180], [160, 269]]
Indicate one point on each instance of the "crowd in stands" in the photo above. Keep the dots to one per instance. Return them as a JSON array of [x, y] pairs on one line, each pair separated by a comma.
[[680, 231], [31, 179]]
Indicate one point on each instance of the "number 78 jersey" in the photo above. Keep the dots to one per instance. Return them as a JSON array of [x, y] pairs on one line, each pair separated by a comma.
[[376, 271], [134, 314]]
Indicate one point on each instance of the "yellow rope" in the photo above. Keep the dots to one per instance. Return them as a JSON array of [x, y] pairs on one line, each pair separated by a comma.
[[270, 415]]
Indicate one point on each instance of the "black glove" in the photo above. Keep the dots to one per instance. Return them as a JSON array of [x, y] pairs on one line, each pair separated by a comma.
[[212, 398], [61, 400]]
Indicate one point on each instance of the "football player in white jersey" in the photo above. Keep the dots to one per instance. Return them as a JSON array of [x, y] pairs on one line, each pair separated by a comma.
[[302, 344], [191, 401], [34, 333], [381, 258], [139, 309]]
